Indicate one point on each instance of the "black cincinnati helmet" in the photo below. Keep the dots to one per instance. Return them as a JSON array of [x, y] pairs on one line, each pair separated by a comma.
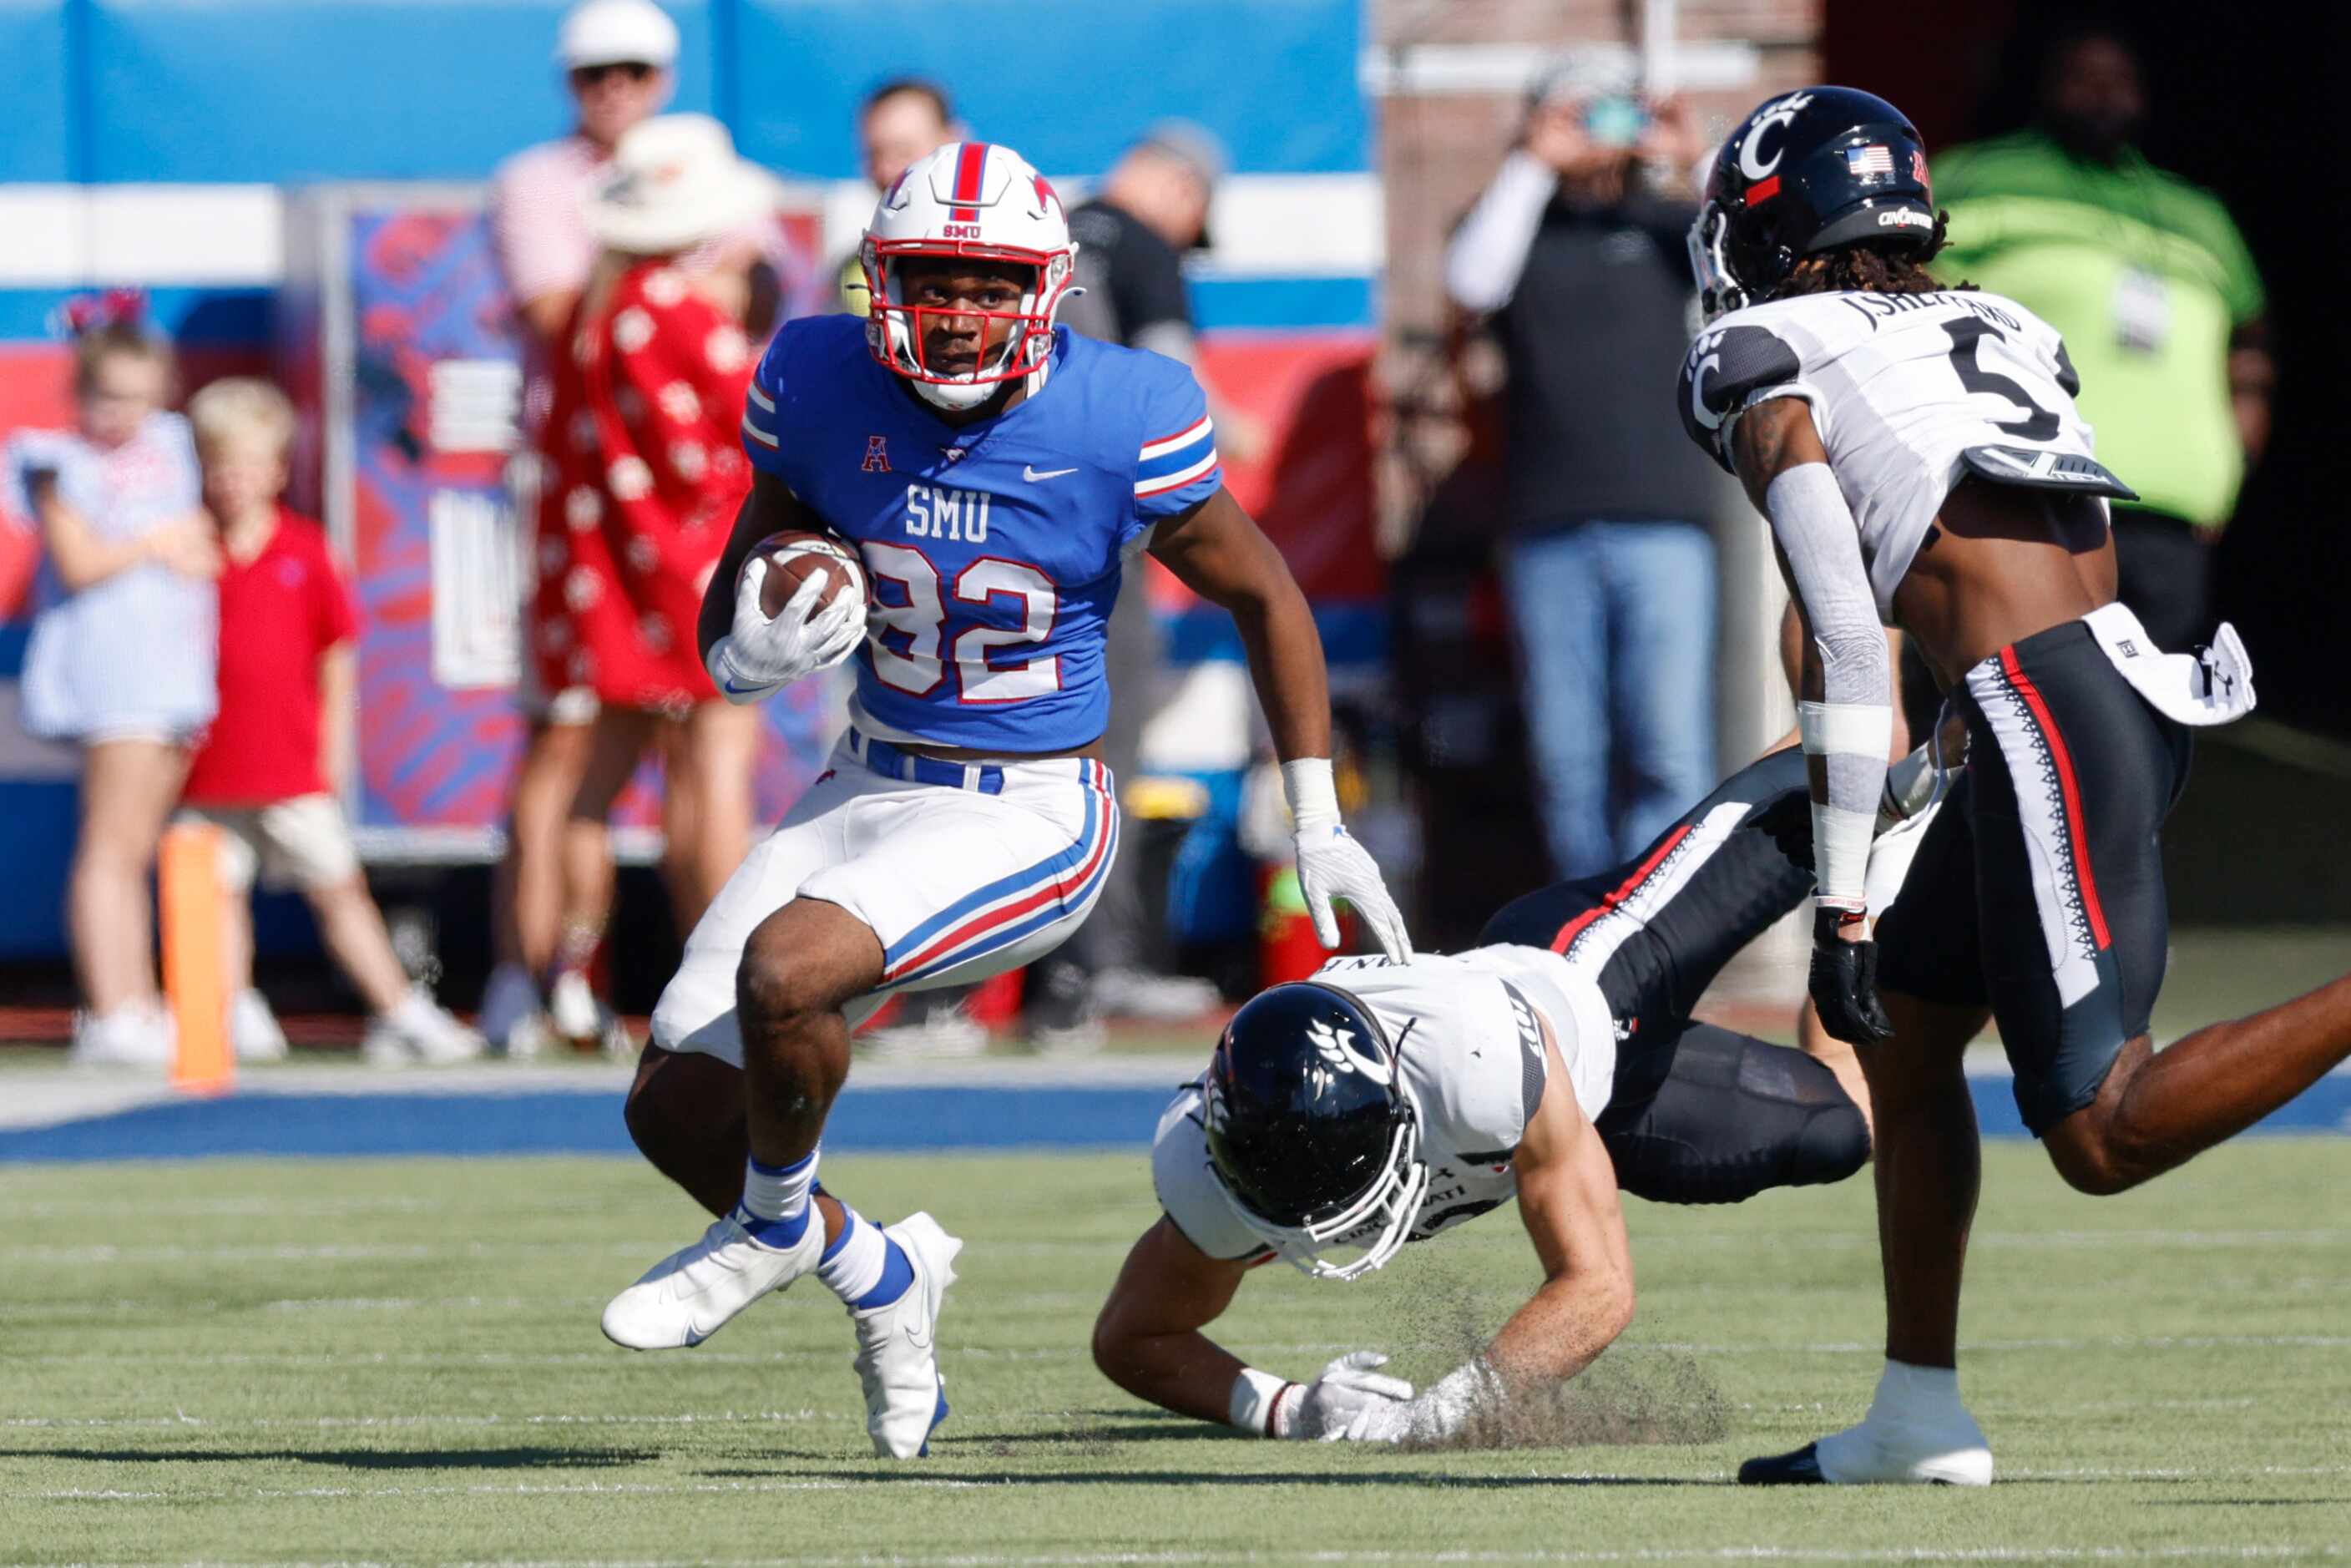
[[1806, 173], [1312, 1131]]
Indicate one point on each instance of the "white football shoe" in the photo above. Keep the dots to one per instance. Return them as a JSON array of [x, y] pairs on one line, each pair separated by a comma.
[[419, 1030], [254, 1032], [695, 1291], [1950, 1452], [139, 1037], [897, 1345]]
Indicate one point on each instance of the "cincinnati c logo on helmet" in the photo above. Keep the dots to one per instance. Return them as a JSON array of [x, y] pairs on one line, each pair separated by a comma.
[[1779, 114], [1335, 1047]]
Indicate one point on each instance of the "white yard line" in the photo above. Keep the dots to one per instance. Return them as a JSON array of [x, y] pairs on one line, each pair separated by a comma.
[[1756, 1553], [106, 1253], [616, 1361], [182, 1421]]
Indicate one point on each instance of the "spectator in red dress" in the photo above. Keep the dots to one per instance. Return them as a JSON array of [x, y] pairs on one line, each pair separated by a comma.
[[269, 772], [647, 475]]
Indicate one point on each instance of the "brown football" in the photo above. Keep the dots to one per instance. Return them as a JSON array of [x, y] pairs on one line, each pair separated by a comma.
[[794, 555]]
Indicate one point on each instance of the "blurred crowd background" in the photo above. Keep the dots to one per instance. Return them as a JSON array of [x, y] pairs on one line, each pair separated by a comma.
[[1426, 255]]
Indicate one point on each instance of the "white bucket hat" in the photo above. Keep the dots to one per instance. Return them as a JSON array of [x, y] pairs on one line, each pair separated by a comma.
[[673, 181], [614, 32]]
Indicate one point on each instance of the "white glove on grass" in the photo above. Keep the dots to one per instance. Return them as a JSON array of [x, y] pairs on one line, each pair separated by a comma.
[[1349, 1389], [1439, 1414]]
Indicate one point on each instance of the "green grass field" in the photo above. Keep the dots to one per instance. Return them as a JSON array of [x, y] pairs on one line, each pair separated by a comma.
[[398, 1362]]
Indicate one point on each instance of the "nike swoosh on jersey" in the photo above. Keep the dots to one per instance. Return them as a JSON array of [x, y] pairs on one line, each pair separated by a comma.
[[1032, 476]]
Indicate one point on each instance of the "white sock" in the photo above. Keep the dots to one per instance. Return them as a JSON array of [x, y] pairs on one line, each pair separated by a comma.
[[853, 1264], [777, 1199], [1915, 1395]]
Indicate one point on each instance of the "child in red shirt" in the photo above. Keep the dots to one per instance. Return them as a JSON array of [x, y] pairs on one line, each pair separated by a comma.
[[269, 772]]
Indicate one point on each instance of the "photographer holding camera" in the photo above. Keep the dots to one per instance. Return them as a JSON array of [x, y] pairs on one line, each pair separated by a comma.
[[1574, 256]]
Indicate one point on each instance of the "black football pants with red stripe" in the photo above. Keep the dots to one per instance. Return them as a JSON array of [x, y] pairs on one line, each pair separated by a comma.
[[2038, 889], [1698, 1114]]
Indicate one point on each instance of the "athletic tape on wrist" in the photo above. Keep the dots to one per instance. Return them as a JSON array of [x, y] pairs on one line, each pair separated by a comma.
[[1313, 797], [1841, 840], [1256, 1402]]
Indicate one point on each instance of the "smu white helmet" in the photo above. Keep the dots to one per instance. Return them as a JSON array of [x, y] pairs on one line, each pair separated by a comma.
[[974, 200]]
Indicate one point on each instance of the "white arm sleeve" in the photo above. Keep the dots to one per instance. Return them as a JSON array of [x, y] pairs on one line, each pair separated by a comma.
[[1852, 727], [1489, 251]]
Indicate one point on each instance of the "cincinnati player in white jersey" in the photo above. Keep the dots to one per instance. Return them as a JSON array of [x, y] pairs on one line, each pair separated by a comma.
[[1918, 453], [1911, 393], [1380, 1102], [993, 474]]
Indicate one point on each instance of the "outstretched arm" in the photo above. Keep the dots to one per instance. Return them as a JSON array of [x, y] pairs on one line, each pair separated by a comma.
[[1846, 681], [1148, 1341], [1218, 553], [1147, 1338], [1567, 1197]]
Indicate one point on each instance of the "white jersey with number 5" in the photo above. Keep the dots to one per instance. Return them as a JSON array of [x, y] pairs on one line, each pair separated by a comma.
[[1909, 393]]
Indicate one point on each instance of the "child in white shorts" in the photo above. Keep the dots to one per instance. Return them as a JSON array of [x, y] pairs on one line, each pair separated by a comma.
[[266, 773]]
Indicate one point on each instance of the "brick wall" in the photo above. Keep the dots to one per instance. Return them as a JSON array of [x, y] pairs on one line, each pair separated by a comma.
[[1438, 148]]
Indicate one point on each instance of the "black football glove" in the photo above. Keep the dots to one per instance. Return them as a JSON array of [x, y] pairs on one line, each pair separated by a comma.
[[1843, 982]]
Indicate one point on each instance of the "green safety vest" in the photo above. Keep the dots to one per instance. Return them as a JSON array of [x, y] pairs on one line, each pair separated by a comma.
[[2145, 277]]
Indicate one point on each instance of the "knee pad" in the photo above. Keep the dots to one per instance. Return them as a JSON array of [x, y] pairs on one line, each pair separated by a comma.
[[1734, 1117], [1834, 1144]]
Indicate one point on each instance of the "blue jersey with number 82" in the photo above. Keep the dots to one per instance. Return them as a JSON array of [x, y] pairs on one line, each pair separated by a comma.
[[995, 548]]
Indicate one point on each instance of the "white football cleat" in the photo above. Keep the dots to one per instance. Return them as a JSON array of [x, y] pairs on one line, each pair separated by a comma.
[[419, 1030], [141, 1037], [1954, 1453], [897, 1345], [695, 1291]]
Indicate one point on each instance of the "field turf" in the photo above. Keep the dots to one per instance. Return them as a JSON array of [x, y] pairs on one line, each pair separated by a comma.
[[398, 1361]]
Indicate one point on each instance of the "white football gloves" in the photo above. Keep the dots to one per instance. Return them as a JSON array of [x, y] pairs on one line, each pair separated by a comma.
[[1439, 1413], [761, 655], [1331, 865], [1352, 1391]]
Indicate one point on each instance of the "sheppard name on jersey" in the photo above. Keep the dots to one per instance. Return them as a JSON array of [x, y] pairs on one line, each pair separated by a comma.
[[936, 514], [1879, 306]]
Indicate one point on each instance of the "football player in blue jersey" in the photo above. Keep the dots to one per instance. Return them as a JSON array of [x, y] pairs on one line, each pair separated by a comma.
[[994, 475]]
